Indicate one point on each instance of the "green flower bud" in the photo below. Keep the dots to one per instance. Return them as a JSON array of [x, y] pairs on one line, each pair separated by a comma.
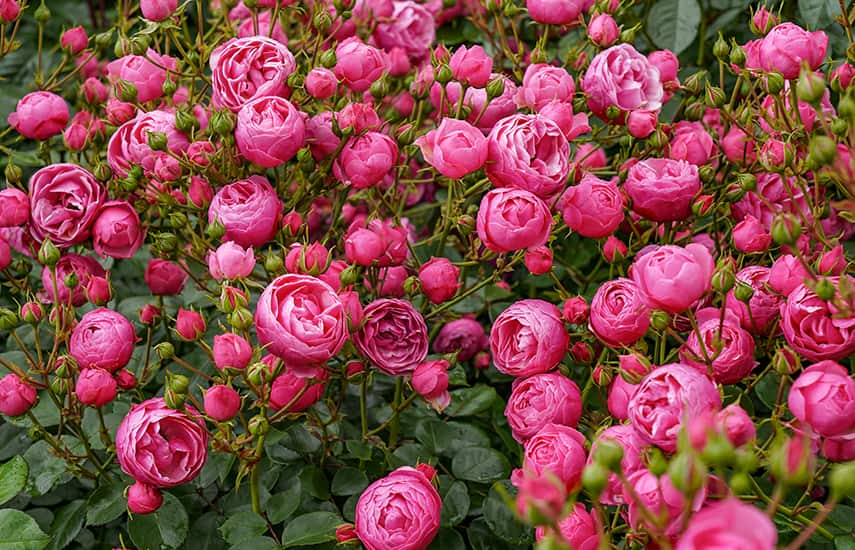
[[740, 483], [810, 87], [258, 425], [723, 280], [714, 96], [48, 253], [222, 122], [240, 318], [186, 121], [628, 35], [257, 373], [127, 91], [495, 88], [140, 43], [786, 361], [687, 473], [157, 141], [695, 83], [737, 55], [609, 454], [825, 289], [613, 112], [215, 230], [103, 40], [8, 319], [774, 82], [42, 14], [349, 275], [102, 172], [273, 262], [595, 477], [656, 461], [721, 49], [659, 319], [177, 382], [841, 480], [328, 59], [743, 292], [791, 460], [174, 400], [322, 21], [839, 126], [295, 80], [177, 219], [13, 172], [718, 452], [71, 280], [165, 350], [846, 107], [823, 149], [786, 229], [695, 111]]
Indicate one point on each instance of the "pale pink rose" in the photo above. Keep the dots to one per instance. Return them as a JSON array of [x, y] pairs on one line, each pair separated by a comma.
[[814, 328], [622, 77], [787, 46], [543, 84], [249, 209], [393, 336], [243, 69], [786, 274], [662, 189], [65, 200], [512, 219], [486, 114], [528, 338], [691, 142], [672, 278], [231, 261], [541, 399], [411, 27], [730, 524], [129, 145], [39, 115]]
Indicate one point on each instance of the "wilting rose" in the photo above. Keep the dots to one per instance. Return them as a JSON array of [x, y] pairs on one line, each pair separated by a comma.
[[393, 336], [102, 339], [512, 219], [243, 69], [249, 210], [161, 446], [619, 315], [528, 338], [64, 201], [541, 399], [814, 329]]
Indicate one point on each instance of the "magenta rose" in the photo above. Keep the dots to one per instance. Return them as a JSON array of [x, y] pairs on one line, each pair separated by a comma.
[[95, 387], [231, 261], [439, 279], [147, 78], [400, 511], [823, 397], [117, 232], [164, 278], [528, 338], [471, 65], [301, 320], [624, 436], [528, 152], [243, 69], [64, 201], [430, 380], [620, 392], [39, 115], [465, 336], [359, 65], [222, 402], [485, 114], [411, 27], [270, 130], [512, 219], [231, 351], [814, 328], [729, 347], [161, 446], [543, 84], [579, 528], [672, 278], [129, 145], [296, 393], [691, 142], [731, 524], [662, 189], [557, 450], [83, 267], [455, 148], [622, 77], [541, 399], [593, 208], [393, 336], [619, 315], [557, 12], [102, 339], [14, 207], [787, 46], [249, 209], [666, 398], [760, 315], [365, 160], [16, 396], [158, 10]]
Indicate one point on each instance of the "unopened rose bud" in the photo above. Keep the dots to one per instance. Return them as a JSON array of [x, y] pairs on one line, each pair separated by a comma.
[[165, 350], [8, 319], [786, 229], [737, 55], [595, 477], [743, 292], [721, 49], [687, 473], [810, 87], [774, 82], [258, 425], [49, 254]]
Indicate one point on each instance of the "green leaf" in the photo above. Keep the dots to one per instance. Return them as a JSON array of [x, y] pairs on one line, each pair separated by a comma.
[[66, 524], [673, 24], [13, 478], [846, 542], [47, 470], [166, 527], [767, 389], [819, 14], [309, 529], [204, 535], [469, 401], [348, 481], [482, 538], [256, 543], [105, 504], [455, 503], [480, 464], [241, 526], [18, 531], [501, 519], [447, 539], [447, 438], [283, 504]]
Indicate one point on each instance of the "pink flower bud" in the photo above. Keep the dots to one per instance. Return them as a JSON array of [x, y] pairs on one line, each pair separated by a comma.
[[321, 83], [614, 250], [231, 351], [164, 278], [74, 40], [144, 498], [832, 262], [98, 290], [427, 470], [312, 259], [430, 380], [200, 192], [602, 30], [190, 325], [94, 91], [439, 279], [576, 310], [641, 123], [158, 10], [148, 314], [16, 396], [345, 533], [95, 387], [750, 236], [231, 261], [538, 260], [126, 380], [222, 402], [14, 207]]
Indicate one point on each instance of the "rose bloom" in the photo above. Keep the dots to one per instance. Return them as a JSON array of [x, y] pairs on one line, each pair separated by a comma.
[[528, 338], [231, 351], [572, 125], [164, 278], [667, 397], [129, 145], [14, 207], [624, 436], [760, 315], [301, 320], [296, 393], [359, 65], [471, 66], [117, 232], [146, 77], [249, 210], [64, 201], [465, 336], [16, 396], [270, 130], [823, 397], [439, 279], [243, 69], [365, 160], [659, 496], [730, 364], [411, 27], [83, 267], [528, 152], [593, 208], [230, 261], [622, 77], [619, 315], [814, 328], [691, 142], [541, 399], [95, 387], [393, 336], [557, 12], [840, 448], [579, 528], [512, 219], [672, 278], [321, 83], [773, 195], [730, 524], [620, 392], [102, 339], [485, 114], [39, 115], [158, 10], [662, 189], [398, 512], [430, 380], [543, 84], [557, 450], [455, 148], [788, 45], [160, 446]]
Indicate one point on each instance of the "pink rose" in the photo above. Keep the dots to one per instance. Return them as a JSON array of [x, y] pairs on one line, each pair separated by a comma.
[[823, 396], [624, 436], [129, 145], [158, 10], [160, 446], [662, 189], [310, 259], [249, 210], [661, 500], [603, 30], [83, 267], [528, 152], [243, 69], [301, 320], [593, 208], [117, 232], [64, 201], [619, 315], [393, 336], [543, 84], [557, 12], [222, 403], [736, 425], [667, 64], [249, 27], [738, 147], [485, 113], [16, 396], [641, 123], [379, 241], [622, 77], [814, 328], [471, 66], [14, 207], [541, 399], [512, 219], [231, 261], [788, 45], [439, 279], [572, 125], [144, 498], [365, 160], [321, 83], [750, 236], [786, 274], [270, 130], [729, 347], [455, 148], [74, 40], [672, 278], [557, 450], [164, 278], [231, 351], [620, 392], [760, 315], [840, 448], [399, 511], [666, 398], [731, 524], [691, 142], [95, 387], [579, 528], [296, 393], [102, 339], [146, 77], [39, 115], [528, 338], [465, 336], [9, 10], [359, 65], [411, 27], [430, 380]]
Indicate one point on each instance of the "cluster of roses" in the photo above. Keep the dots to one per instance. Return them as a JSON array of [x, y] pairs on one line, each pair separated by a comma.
[[322, 153]]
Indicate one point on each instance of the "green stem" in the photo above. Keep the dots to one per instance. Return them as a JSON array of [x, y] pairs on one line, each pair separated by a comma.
[[395, 423]]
